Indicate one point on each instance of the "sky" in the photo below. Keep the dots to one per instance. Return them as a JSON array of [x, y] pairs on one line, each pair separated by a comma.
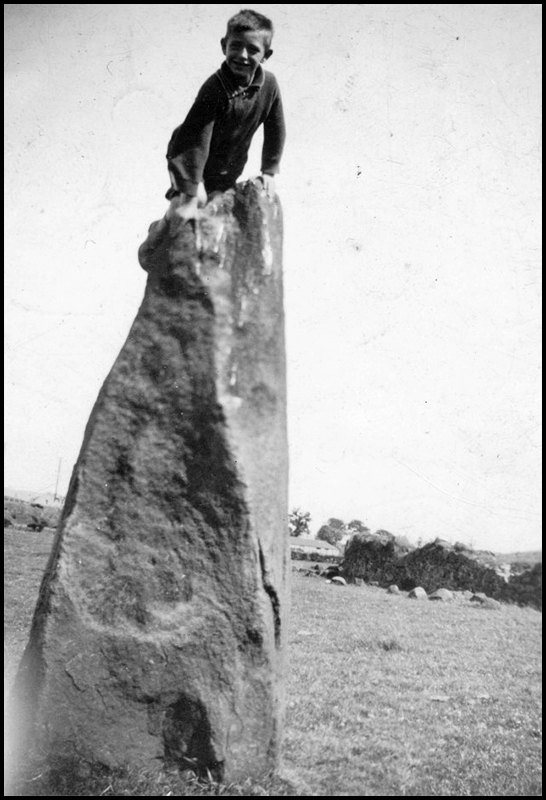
[[410, 187]]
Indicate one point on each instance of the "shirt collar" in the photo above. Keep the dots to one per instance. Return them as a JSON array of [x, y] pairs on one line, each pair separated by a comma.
[[232, 88]]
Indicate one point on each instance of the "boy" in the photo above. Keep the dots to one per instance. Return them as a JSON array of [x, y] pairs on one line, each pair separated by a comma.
[[208, 152]]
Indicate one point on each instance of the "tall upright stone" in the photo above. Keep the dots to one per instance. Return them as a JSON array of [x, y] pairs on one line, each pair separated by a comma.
[[160, 629]]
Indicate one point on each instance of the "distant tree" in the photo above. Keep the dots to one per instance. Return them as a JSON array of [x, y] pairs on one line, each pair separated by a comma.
[[356, 526], [298, 522], [329, 534], [336, 524]]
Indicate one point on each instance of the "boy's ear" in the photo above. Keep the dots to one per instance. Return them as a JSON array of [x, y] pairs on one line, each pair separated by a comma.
[[223, 42], [267, 54]]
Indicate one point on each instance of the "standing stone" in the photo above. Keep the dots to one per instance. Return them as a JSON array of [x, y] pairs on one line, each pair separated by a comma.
[[160, 628]]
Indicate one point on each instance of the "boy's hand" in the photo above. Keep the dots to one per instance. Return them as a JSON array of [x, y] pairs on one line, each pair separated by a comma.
[[268, 182], [184, 207]]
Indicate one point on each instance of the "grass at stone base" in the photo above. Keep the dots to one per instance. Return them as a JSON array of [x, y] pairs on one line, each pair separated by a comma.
[[386, 697], [121, 783]]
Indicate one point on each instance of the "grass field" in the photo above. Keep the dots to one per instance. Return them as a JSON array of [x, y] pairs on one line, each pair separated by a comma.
[[386, 697]]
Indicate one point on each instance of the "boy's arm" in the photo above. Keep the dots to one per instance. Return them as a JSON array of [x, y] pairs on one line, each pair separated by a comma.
[[274, 139]]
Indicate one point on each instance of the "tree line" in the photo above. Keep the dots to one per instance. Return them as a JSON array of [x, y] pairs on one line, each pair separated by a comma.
[[333, 531]]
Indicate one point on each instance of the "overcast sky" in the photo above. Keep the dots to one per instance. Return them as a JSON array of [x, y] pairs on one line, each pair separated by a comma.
[[410, 188]]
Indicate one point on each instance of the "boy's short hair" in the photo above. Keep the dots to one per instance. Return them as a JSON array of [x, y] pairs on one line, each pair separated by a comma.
[[249, 20]]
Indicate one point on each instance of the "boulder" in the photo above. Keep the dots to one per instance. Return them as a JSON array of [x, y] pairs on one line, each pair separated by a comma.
[[492, 605], [308, 573], [160, 630], [337, 579], [393, 589], [418, 594], [443, 595], [330, 572]]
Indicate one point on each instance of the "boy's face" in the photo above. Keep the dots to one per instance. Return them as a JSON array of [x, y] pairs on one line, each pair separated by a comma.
[[244, 53]]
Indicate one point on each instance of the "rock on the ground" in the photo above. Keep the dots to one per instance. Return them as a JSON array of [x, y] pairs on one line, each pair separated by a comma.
[[330, 572], [492, 605], [418, 594], [443, 595]]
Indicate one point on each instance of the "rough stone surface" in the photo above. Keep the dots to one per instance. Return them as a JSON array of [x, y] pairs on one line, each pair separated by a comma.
[[443, 595], [159, 633], [330, 572], [418, 594], [492, 605]]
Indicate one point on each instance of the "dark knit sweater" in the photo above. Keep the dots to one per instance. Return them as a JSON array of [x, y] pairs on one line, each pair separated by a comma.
[[212, 143]]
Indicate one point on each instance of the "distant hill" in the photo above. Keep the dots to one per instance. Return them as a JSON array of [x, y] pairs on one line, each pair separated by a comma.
[[33, 515], [44, 498], [530, 557]]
